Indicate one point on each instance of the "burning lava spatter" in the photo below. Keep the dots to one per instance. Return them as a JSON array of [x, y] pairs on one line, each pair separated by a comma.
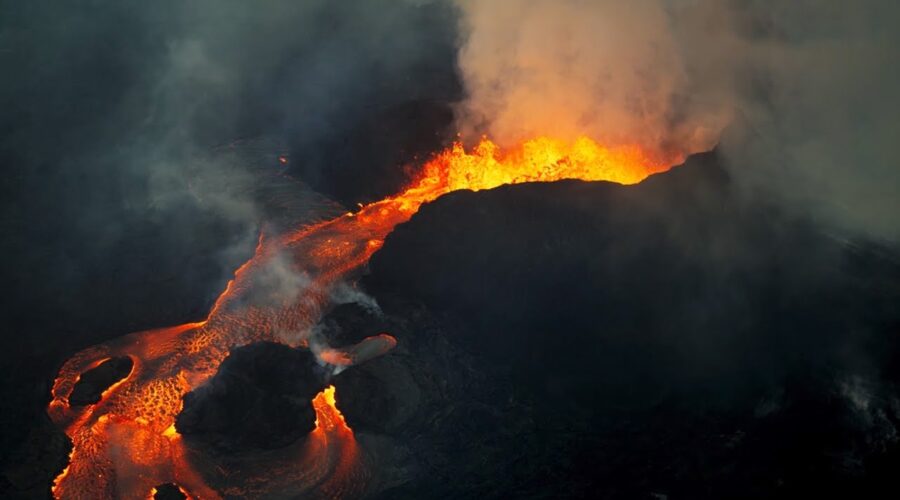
[[126, 444]]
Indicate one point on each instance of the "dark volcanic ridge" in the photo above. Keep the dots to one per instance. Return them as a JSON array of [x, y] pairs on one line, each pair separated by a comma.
[[669, 337]]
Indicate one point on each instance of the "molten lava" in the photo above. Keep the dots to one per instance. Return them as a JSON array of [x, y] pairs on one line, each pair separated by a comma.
[[328, 417], [126, 444], [542, 160]]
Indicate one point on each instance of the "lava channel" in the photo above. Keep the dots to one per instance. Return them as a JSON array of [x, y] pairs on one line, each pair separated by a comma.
[[125, 444]]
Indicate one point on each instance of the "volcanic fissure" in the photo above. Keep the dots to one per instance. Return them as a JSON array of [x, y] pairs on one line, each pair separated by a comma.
[[125, 440]]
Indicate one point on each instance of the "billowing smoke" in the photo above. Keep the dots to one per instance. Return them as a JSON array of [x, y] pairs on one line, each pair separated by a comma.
[[610, 70], [808, 88]]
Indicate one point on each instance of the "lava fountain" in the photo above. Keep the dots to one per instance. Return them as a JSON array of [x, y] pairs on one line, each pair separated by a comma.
[[126, 444]]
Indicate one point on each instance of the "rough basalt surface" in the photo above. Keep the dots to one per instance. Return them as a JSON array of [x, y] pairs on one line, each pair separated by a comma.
[[259, 399], [667, 339]]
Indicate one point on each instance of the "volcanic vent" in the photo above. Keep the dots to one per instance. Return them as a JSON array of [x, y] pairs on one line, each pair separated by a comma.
[[127, 443]]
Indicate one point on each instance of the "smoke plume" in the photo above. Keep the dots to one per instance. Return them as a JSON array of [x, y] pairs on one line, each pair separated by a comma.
[[807, 87], [608, 70]]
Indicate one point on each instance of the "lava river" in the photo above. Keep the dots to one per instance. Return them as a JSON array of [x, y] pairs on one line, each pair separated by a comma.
[[126, 444]]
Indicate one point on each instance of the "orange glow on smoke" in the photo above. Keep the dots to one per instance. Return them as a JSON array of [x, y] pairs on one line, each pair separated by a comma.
[[126, 443], [540, 160]]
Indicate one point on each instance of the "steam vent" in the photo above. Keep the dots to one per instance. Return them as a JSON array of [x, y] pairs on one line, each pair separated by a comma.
[[383, 249]]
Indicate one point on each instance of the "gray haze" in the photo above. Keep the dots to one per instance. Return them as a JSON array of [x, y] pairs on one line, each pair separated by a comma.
[[117, 117]]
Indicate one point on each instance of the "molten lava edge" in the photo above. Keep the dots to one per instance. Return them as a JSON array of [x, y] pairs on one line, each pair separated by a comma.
[[126, 444]]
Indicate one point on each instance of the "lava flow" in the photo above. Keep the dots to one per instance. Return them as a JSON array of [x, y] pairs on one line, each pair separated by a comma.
[[126, 444]]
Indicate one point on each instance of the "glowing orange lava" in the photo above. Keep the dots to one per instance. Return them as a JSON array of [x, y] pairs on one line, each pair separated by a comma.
[[126, 444], [328, 417], [541, 160]]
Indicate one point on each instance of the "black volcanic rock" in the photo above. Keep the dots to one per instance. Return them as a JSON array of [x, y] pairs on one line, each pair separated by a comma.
[[259, 399], [347, 324], [380, 395], [168, 492], [93, 382], [667, 338], [668, 287]]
